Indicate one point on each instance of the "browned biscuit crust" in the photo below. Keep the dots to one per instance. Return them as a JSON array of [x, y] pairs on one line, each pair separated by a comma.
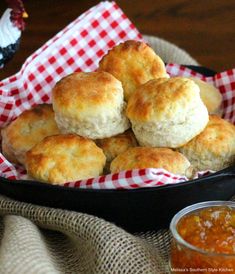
[[27, 130], [145, 157], [133, 63], [64, 158], [167, 112], [117, 144], [90, 104], [214, 148]]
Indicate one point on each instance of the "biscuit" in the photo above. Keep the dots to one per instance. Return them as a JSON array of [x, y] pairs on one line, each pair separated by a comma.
[[214, 148], [115, 145], [210, 95], [90, 104], [133, 63], [64, 158], [167, 112], [28, 129], [146, 157]]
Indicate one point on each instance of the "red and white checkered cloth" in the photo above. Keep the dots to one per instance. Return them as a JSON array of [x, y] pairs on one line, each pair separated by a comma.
[[79, 47]]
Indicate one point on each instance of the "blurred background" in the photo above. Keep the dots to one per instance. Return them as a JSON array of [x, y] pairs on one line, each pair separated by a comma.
[[204, 28]]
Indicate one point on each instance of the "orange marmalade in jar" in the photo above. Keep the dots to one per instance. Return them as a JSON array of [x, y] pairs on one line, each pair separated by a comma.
[[204, 239]]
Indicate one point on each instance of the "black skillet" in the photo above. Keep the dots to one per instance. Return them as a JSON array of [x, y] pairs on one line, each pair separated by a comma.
[[134, 210]]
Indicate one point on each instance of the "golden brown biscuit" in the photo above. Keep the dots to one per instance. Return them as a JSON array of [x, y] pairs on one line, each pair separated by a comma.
[[117, 144], [64, 158], [133, 63], [27, 130], [210, 95], [214, 148], [145, 157], [167, 112], [90, 104]]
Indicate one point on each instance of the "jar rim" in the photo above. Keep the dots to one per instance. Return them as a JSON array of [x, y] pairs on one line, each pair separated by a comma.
[[193, 208]]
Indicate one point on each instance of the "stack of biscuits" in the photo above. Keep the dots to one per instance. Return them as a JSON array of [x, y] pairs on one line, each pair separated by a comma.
[[128, 114]]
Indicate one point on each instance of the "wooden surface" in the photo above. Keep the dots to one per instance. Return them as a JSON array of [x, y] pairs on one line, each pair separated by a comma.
[[204, 28]]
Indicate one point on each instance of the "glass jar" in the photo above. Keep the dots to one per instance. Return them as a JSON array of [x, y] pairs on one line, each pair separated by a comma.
[[194, 254]]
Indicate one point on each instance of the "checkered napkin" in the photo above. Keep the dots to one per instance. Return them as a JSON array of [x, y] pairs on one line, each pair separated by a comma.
[[79, 47]]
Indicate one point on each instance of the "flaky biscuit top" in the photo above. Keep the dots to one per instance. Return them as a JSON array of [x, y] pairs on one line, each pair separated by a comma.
[[30, 127], [164, 99], [65, 158], [133, 63], [83, 95], [217, 139], [115, 145], [146, 157]]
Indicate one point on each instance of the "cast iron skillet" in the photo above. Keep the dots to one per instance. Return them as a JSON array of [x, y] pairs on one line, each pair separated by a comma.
[[134, 210]]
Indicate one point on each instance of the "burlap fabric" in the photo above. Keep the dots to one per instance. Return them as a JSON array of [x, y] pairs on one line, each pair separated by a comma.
[[38, 240]]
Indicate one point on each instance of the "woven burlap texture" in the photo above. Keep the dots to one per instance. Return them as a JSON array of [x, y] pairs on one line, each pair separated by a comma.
[[38, 240]]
